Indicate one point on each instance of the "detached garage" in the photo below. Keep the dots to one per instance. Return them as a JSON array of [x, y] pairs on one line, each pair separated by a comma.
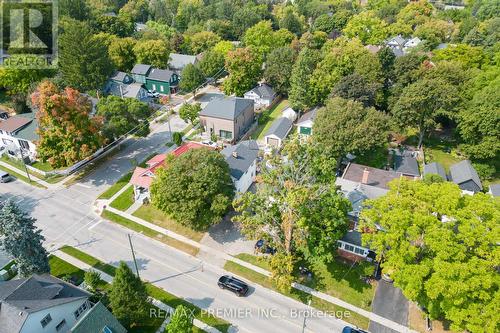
[[278, 132]]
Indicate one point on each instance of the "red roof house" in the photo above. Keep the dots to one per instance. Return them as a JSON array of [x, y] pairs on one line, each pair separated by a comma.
[[143, 177]]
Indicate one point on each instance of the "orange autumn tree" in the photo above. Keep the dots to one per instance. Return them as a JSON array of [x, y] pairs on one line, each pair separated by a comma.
[[67, 132]]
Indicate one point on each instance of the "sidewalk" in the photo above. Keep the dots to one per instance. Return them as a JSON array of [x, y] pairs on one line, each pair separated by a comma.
[[370, 315], [109, 279], [32, 177]]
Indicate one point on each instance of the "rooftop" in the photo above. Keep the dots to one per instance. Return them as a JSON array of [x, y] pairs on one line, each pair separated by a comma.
[[435, 168], [179, 61], [240, 157], [160, 74], [226, 108], [310, 115], [143, 177], [140, 69], [495, 190], [374, 177], [405, 163], [280, 127], [119, 76], [14, 123], [96, 319], [463, 171], [264, 91]]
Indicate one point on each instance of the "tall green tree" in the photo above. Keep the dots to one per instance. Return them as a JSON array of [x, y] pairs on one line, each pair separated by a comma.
[[189, 112], [357, 88], [121, 115], [422, 102], [20, 238], [260, 37], [367, 27], [212, 63], [191, 78], [83, 62], [300, 94], [76, 9], [346, 126], [181, 321], [128, 296], [67, 133], [244, 67], [295, 212], [203, 41], [121, 52], [152, 52], [278, 70], [195, 189], [442, 249]]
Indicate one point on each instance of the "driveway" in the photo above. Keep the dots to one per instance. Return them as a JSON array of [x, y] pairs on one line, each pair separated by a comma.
[[389, 302]]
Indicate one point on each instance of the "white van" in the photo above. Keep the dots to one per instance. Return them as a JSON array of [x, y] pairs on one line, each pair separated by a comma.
[[4, 177]]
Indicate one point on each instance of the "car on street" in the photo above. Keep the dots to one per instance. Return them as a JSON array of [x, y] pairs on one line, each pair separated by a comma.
[[152, 93], [349, 329], [233, 284], [5, 177], [209, 143]]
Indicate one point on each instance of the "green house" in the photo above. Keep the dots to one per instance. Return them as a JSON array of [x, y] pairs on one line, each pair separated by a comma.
[[162, 81], [140, 72]]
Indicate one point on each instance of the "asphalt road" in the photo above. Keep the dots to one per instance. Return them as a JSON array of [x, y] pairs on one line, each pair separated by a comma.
[[389, 302], [66, 217]]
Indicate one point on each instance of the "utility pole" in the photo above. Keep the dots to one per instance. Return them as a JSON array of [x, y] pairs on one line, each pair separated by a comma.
[[133, 255], [24, 163]]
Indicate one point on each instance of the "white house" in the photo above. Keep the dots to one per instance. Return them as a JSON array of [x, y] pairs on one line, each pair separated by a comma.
[[278, 132], [18, 135], [242, 161], [305, 123], [411, 43], [263, 95], [45, 304]]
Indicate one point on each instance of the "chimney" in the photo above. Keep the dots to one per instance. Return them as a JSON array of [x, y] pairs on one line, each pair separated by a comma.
[[235, 154], [364, 179]]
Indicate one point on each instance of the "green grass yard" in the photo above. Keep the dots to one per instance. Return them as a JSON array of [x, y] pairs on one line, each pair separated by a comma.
[[116, 186], [155, 216], [267, 118], [62, 269], [124, 200], [298, 295], [21, 177], [191, 250], [88, 259]]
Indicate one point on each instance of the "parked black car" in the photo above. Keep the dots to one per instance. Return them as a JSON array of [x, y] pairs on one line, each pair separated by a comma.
[[233, 284]]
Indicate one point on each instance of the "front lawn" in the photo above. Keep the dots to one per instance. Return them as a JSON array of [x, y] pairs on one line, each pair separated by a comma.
[[267, 117], [189, 249], [116, 186], [88, 259], [44, 166], [62, 269], [124, 200], [318, 303], [156, 216], [21, 177]]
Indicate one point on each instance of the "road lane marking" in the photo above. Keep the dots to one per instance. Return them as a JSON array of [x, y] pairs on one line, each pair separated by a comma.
[[95, 225], [83, 185]]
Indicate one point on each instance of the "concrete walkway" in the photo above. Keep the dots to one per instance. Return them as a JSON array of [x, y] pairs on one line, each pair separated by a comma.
[[370, 315], [109, 279]]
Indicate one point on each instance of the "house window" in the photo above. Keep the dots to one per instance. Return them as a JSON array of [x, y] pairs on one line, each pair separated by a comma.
[[80, 310], [46, 320], [348, 247], [106, 329], [225, 134], [154, 86], [6, 142], [24, 144], [305, 130], [359, 251], [161, 88], [61, 325]]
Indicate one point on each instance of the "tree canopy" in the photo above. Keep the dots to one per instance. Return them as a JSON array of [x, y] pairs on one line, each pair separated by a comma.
[[195, 189], [67, 133], [244, 68], [441, 247]]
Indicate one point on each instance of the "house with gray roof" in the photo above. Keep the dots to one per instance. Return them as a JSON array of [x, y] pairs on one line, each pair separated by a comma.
[[278, 132], [465, 176], [98, 319], [263, 95], [140, 72], [18, 135], [229, 118], [45, 304], [405, 163], [178, 61], [436, 169], [242, 161]]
